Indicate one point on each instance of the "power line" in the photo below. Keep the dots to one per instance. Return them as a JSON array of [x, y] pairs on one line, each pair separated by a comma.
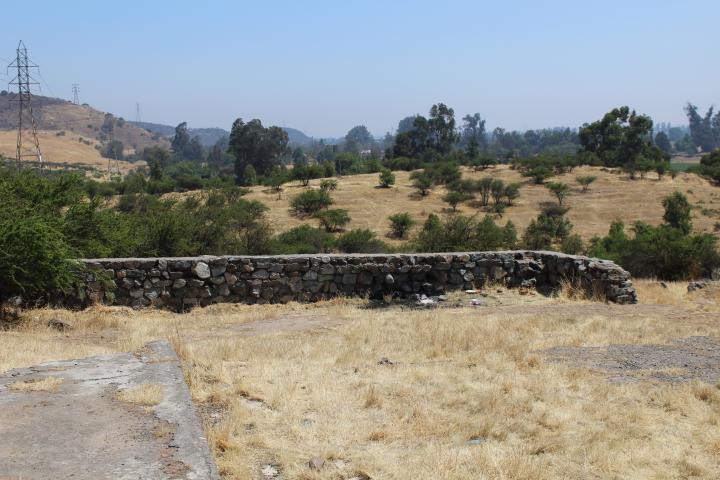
[[26, 119]]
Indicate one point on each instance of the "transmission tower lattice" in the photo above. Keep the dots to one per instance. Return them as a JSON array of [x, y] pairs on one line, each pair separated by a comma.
[[138, 118], [26, 149], [76, 94]]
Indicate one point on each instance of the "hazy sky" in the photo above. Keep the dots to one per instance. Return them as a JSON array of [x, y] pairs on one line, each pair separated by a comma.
[[325, 66]]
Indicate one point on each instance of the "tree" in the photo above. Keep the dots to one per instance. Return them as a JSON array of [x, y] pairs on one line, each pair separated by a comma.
[[559, 189], [484, 186], [512, 192], [454, 198], [194, 150], [442, 128], [387, 178], [423, 182], [358, 138], [298, 157], [678, 212], [180, 141], [278, 176], [305, 173], [497, 189], [585, 181], [251, 143], [663, 142], [473, 135], [620, 138], [157, 159], [249, 175], [710, 166], [334, 219], [704, 131], [400, 224], [310, 202]]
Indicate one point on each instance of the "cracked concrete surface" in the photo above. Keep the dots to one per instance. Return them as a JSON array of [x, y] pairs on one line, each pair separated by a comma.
[[82, 431]]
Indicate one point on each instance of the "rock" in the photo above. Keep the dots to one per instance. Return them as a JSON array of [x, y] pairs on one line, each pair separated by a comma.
[[692, 286], [316, 463], [389, 279], [179, 283], [477, 302], [424, 301], [270, 471], [386, 361], [442, 298], [476, 441], [60, 324], [201, 270]]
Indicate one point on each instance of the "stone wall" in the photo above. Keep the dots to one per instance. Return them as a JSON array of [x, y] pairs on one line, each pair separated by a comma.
[[180, 283]]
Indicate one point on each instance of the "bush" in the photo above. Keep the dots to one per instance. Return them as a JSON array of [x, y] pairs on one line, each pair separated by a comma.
[[328, 184], [387, 178], [512, 192], [539, 174], [360, 241], [559, 189], [400, 224], [454, 198], [333, 220], [585, 181], [548, 231], [301, 240], [460, 233], [310, 202], [423, 182], [34, 257], [572, 245]]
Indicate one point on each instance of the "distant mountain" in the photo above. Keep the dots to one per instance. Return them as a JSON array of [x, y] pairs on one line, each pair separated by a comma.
[[209, 136]]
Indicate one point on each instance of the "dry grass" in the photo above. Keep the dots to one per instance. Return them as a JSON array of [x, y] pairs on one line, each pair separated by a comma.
[[591, 213], [283, 397], [146, 394], [45, 384], [65, 150]]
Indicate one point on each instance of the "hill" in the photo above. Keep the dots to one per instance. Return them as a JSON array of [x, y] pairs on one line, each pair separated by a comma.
[[209, 136], [612, 196], [64, 125]]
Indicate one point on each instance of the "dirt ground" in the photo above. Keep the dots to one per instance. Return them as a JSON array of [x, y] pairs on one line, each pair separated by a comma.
[[524, 386]]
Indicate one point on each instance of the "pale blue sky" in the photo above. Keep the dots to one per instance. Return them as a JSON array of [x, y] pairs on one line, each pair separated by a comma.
[[325, 66]]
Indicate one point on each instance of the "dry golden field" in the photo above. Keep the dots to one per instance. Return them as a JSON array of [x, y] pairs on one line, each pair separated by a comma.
[[465, 393], [67, 150], [612, 196]]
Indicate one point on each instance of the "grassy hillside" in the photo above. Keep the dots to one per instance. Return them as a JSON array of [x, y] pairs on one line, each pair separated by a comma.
[[55, 115], [612, 196], [67, 150]]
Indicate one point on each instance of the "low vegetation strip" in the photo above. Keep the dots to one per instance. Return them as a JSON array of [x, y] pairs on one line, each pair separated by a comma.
[[179, 283]]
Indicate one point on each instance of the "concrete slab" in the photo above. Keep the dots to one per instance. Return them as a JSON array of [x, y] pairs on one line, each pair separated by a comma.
[[80, 429]]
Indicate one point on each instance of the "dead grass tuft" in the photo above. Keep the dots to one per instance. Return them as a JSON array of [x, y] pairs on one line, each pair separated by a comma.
[[45, 384], [146, 394]]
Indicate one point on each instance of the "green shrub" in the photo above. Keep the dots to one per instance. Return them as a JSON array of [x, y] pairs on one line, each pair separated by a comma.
[[559, 189], [310, 202], [454, 198], [333, 220], [328, 184], [460, 233], [360, 241], [585, 181], [301, 240], [387, 178], [423, 182], [34, 257], [400, 224]]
